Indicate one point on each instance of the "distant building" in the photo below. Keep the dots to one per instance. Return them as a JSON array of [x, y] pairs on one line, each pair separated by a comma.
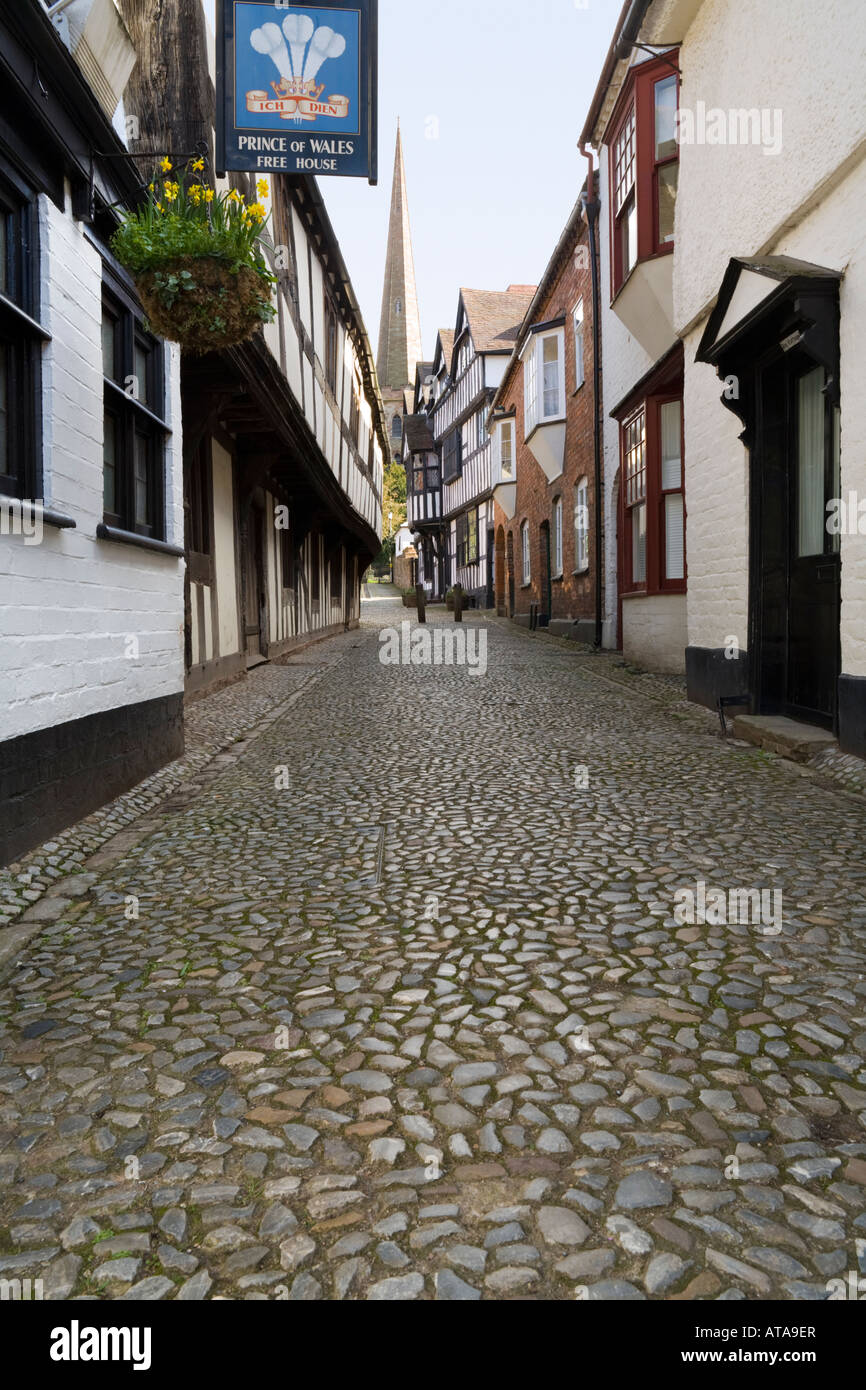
[[468, 367], [542, 471]]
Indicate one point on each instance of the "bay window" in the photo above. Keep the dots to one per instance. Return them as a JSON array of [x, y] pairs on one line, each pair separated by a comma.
[[544, 378], [644, 165], [653, 514]]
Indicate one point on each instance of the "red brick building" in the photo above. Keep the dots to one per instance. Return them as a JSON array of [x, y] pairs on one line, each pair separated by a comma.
[[543, 426]]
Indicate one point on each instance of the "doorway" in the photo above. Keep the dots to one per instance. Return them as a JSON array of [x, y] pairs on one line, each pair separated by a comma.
[[255, 598], [796, 569]]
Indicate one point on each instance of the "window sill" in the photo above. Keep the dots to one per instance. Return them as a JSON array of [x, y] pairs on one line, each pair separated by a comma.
[[577, 390], [527, 586], [584, 570], [543, 424], [58, 519], [557, 578], [642, 260], [113, 533], [672, 590]]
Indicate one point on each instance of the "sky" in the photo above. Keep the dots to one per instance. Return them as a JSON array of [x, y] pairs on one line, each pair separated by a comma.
[[491, 96]]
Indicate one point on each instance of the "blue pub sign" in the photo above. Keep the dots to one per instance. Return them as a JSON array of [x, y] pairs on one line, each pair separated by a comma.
[[297, 88]]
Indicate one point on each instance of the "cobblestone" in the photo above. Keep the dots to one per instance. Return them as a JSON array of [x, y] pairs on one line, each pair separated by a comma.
[[424, 1024]]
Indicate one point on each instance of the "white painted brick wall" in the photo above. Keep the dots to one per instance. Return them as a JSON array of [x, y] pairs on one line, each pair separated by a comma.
[[68, 605], [808, 202]]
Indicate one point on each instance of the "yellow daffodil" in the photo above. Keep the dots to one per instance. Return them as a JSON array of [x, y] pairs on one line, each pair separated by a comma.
[[171, 192], [166, 166], [160, 207], [235, 197], [263, 188], [197, 166], [208, 195], [256, 212]]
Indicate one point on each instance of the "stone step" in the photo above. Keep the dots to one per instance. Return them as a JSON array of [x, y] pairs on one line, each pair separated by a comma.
[[788, 737]]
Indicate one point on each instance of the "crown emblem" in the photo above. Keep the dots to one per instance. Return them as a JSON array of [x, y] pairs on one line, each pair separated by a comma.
[[298, 51]]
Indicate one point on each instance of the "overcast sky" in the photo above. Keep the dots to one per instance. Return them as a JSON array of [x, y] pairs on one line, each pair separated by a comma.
[[492, 96]]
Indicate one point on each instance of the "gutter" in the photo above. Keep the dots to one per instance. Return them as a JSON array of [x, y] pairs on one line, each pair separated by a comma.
[[628, 27], [591, 211]]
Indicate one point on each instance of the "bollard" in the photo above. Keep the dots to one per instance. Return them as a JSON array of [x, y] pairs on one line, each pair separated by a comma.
[[422, 602], [458, 603]]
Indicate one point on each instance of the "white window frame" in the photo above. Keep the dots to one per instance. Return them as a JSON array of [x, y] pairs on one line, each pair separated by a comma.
[[581, 527], [579, 365], [525, 553], [533, 380], [557, 538], [505, 432]]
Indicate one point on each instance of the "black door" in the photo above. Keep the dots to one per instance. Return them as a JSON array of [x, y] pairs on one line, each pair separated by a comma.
[[796, 463]]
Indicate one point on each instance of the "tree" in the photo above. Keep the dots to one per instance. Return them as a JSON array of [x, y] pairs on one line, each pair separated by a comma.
[[394, 497]]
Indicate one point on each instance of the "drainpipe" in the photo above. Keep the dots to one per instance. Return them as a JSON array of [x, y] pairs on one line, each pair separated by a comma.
[[591, 209]]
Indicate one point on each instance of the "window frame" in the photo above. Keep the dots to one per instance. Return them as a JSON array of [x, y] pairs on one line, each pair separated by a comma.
[[507, 429], [134, 417], [452, 455], [578, 319], [581, 531], [658, 402], [558, 557], [525, 554], [331, 345], [653, 499], [315, 568], [23, 337]]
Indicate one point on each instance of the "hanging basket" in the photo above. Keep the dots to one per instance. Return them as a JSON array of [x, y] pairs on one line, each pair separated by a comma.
[[203, 303]]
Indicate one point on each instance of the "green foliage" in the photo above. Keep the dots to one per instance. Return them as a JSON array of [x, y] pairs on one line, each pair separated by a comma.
[[184, 219]]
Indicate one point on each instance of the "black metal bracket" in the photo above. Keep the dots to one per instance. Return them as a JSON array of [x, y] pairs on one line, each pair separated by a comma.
[[729, 702], [653, 52], [200, 152]]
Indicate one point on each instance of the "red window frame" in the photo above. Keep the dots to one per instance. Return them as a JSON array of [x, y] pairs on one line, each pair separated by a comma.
[[637, 101], [652, 497]]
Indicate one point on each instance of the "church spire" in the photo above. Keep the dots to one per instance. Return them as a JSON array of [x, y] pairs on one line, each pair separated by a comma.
[[400, 324]]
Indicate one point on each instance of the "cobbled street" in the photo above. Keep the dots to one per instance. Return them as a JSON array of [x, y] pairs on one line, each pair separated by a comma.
[[394, 1005]]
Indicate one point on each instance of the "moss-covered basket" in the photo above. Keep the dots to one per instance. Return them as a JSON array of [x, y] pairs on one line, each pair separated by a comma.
[[203, 303]]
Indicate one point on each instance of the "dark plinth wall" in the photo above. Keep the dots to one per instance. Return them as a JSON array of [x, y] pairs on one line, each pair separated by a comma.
[[51, 778], [852, 715], [710, 676]]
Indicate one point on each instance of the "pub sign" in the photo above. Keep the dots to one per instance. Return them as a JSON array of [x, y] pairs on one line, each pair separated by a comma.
[[297, 88]]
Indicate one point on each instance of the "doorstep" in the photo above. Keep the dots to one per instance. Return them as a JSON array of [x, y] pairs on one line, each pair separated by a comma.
[[787, 737]]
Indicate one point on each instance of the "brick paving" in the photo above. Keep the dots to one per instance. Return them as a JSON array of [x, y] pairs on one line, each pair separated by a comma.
[[387, 993]]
